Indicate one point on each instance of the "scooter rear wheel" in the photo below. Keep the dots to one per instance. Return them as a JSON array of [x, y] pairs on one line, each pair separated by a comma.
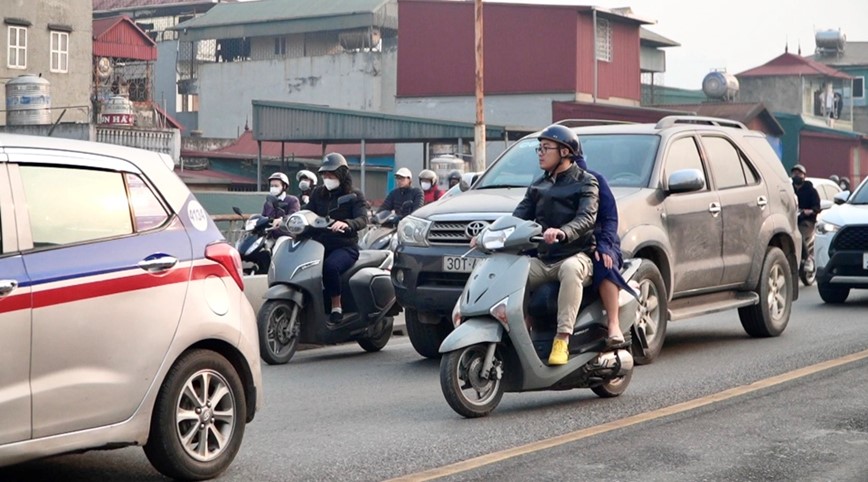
[[466, 391], [279, 328], [613, 387], [378, 340]]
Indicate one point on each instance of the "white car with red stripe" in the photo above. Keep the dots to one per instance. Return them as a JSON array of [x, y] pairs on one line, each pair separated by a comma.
[[122, 314]]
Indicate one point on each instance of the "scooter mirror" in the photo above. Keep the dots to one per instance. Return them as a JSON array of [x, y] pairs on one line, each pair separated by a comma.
[[237, 210]]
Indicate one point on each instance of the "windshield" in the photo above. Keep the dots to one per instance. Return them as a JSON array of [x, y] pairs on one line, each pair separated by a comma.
[[625, 160], [861, 195]]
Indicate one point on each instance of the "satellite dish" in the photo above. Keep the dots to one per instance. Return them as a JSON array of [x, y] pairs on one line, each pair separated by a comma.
[[104, 68]]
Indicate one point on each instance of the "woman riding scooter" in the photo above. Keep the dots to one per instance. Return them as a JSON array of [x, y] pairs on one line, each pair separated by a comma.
[[306, 184], [341, 239]]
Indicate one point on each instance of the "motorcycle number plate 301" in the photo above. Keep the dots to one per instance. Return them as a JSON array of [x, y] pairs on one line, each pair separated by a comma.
[[457, 264]]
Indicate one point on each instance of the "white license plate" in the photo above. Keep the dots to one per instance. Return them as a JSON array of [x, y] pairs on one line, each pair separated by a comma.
[[864, 260], [457, 264]]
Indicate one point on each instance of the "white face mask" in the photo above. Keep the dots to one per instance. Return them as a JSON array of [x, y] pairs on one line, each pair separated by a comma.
[[426, 185], [331, 184], [304, 185], [275, 191]]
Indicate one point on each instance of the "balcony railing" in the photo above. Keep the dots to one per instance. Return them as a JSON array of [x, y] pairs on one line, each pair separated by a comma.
[[157, 140]]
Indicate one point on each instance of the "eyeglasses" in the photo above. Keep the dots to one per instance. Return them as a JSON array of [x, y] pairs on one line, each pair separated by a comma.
[[542, 149]]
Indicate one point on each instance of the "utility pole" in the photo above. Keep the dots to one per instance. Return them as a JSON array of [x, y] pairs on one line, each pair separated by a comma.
[[479, 127]]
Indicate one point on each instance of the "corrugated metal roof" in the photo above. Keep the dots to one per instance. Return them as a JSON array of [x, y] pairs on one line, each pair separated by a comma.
[[105, 5], [788, 64], [292, 16], [286, 121], [120, 37], [653, 39]]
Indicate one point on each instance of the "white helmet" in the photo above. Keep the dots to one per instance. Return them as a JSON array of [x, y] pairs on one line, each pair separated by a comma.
[[404, 172], [280, 177], [304, 173]]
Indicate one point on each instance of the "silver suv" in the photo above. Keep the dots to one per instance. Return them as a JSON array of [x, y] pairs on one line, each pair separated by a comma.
[[122, 314], [704, 202]]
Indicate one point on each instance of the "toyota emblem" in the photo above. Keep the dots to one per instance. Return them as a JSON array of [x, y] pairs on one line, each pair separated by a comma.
[[474, 228]]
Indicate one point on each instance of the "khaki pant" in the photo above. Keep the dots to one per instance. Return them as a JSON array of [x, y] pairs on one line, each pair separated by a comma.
[[572, 272]]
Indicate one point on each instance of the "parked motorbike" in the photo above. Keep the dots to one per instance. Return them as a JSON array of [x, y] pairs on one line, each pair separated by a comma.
[[492, 350], [384, 225], [297, 311]]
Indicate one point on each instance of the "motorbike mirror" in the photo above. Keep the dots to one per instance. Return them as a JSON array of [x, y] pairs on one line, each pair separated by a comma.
[[237, 210], [346, 198]]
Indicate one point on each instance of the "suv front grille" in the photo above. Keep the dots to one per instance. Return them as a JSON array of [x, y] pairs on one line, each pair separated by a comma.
[[443, 279], [449, 232], [851, 238]]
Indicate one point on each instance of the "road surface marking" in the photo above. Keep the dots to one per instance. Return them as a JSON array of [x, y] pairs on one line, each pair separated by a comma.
[[494, 457]]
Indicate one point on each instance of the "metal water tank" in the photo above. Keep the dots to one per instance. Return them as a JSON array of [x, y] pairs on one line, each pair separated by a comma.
[[117, 111], [443, 165], [720, 85], [28, 101], [830, 42]]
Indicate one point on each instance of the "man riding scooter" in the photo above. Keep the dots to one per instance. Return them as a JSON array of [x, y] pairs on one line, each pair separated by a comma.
[[564, 201]]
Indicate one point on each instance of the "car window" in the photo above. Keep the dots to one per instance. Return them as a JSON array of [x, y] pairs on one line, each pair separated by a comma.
[[726, 163], [72, 205], [517, 167], [148, 213], [860, 196], [625, 160], [683, 154]]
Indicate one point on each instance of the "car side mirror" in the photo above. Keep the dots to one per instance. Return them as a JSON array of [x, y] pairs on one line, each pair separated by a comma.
[[841, 197], [685, 180], [463, 186], [826, 204]]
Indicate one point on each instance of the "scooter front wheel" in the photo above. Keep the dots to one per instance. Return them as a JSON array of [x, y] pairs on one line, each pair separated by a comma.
[[279, 327], [469, 391]]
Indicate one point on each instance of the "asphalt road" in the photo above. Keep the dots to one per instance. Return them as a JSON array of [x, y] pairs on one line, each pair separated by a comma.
[[338, 413]]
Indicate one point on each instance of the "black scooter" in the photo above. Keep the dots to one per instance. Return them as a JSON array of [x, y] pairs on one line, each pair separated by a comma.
[[384, 225], [296, 309]]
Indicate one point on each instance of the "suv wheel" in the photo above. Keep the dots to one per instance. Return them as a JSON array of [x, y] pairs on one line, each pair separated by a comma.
[[651, 315], [426, 338], [832, 294], [770, 316], [198, 419]]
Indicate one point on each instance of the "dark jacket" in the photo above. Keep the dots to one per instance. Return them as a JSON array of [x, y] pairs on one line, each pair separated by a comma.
[[325, 203], [606, 228], [809, 198], [568, 201], [396, 199]]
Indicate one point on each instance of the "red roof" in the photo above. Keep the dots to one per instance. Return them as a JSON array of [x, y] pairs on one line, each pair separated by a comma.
[[789, 64], [208, 176], [120, 37], [245, 148]]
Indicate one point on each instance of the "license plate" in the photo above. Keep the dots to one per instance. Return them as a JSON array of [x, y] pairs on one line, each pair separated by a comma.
[[865, 261], [457, 264]]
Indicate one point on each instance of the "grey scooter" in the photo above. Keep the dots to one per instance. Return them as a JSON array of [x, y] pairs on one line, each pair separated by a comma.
[[296, 310], [491, 350]]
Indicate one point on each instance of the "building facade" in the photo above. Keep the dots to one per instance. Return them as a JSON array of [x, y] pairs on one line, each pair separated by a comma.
[[50, 39]]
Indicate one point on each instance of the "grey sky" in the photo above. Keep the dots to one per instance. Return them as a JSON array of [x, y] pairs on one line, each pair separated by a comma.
[[736, 35]]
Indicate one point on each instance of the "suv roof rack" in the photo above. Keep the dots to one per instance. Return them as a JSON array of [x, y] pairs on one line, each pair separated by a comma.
[[671, 120], [589, 122]]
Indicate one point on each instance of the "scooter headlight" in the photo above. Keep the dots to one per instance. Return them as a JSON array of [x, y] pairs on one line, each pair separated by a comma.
[[495, 239], [296, 224], [254, 246], [250, 224]]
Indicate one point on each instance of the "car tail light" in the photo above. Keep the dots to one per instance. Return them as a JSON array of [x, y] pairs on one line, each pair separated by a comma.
[[223, 253]]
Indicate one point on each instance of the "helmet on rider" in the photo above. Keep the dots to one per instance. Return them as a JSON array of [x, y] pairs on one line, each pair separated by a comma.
[[332, 161], [454, 177], [280, 177], [800, 168], [305, 174], [428, 175], [562, 135], [834, 178]]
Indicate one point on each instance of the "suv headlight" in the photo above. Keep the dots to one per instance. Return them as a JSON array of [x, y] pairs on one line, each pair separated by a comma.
[[413, 231], [491, 240], [824, 227]]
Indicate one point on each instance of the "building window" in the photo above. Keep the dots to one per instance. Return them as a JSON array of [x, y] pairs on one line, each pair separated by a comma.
[[858, 87], [279, 45], [60, 52], [604, 40], [17, 58]]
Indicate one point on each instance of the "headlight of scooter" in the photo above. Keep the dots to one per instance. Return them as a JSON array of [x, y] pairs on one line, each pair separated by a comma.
[[413, 231], [296, 224], [250, 224], [492, 240]]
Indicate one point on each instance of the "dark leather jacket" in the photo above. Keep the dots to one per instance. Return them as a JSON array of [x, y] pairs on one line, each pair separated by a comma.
[[396, 199], [568, 201]]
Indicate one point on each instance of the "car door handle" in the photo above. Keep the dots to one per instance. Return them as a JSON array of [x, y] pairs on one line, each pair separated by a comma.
[[161, 263], [7, 286], [714, 209], [762, 202]]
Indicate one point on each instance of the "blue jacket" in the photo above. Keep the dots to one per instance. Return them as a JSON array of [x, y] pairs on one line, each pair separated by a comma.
[[396, 199]]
